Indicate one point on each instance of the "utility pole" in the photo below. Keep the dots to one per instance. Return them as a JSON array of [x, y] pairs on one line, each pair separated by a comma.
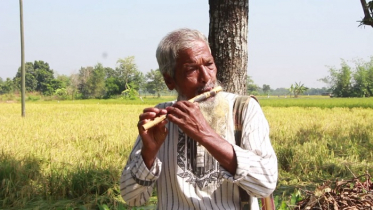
[[22, 60]]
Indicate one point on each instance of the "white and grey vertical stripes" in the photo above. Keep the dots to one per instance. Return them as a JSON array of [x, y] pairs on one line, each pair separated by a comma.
[[256, 171]]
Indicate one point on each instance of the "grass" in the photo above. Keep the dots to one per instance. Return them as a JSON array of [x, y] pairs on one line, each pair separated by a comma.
[[64, 151], [314, 144], [316, 101], [69, 154], [40, 99]]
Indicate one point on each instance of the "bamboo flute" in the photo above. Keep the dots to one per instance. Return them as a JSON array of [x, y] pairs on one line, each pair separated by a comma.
[[198, 98]]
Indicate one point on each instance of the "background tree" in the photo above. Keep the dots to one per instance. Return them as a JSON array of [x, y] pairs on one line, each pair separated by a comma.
[[280, 91], [297, 89], [125, 71], [52, 87], [363, 79], [45, 78], [266, 88], [251, 87], [138, 81], [38, 77], [291, 90], [1, 85], [130, 91], [228, 31], [318, 91], [30, 78], [112, 87], [112, 83], [6, 86], [84, 85], [61, 93], [369, 67], [155, 82], [109, 72], [351, 82], [339, 80], [73, 87], [97, 81], [342, 85], [92, 82], [64, 80], [360, 85]]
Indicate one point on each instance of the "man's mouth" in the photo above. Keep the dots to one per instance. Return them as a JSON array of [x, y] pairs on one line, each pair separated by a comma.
[[205, 89]]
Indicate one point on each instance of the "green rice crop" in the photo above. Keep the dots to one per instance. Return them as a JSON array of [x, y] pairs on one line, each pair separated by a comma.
[[69, 154], [321, 102]]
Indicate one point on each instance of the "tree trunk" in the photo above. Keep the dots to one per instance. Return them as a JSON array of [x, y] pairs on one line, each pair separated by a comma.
[[367, 20], [228, 42]]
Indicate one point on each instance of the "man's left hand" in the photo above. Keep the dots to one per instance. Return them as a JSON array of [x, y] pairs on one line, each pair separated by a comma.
[[189, 118]]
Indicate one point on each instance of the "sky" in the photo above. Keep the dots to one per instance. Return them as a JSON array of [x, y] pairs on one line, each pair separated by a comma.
[[288, 41]]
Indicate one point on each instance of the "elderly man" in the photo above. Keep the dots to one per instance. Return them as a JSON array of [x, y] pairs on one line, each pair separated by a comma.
[[192, 157]]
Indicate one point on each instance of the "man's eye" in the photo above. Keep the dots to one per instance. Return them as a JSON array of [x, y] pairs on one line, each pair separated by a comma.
[[192, 68], [210, 65], [191, 71]]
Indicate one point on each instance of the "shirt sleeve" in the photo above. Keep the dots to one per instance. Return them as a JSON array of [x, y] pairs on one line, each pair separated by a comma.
[[137, 181], [256, 160]]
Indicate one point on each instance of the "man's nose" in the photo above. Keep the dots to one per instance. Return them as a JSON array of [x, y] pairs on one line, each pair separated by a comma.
[[204, 75]]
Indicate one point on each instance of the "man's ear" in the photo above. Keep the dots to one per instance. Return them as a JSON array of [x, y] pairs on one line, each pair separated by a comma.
[[170, 82]]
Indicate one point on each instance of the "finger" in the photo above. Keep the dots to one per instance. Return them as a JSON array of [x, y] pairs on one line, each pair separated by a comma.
[[182, 108], [173, 110], [184, 105], [151, 115], [175, 119], [160, 130], [142, 122], [152, 109], [162, 124], [143, 131], [156, 110], [162, 112], [140, 127], [147, 115]]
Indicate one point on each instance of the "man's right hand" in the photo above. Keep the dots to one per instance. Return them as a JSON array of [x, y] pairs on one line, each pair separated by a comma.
[[154, 137]]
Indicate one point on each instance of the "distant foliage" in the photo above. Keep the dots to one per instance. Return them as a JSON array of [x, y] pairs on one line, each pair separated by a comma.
[[266, 88], [6, 86], [61, 93], [99, 82], [251, 87], [90, 82], [38, 77], [155, 84], [347, 81], [297, 88], [130, 92]]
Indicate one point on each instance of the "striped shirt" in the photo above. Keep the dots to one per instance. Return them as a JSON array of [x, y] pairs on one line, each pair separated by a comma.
[[182, 184]]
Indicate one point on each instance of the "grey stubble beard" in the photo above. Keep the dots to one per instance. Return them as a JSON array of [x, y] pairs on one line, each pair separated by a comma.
[[214, 109], [215, 112]]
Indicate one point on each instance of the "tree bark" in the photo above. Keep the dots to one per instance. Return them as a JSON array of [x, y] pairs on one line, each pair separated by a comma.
[[228, 41], [367, 20]]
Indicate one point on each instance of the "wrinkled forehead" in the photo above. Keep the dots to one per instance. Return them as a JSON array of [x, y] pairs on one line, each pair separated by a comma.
[[198, 49]]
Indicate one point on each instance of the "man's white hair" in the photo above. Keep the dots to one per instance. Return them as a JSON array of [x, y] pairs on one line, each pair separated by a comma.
[[172, 43]]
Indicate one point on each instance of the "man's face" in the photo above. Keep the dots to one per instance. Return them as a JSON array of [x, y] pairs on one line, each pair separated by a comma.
[[195, 72]]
